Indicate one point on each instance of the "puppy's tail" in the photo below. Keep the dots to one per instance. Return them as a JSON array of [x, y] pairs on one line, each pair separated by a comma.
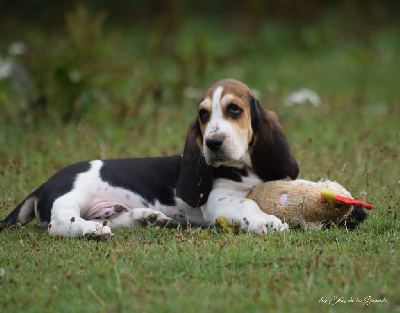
[[22, 214]]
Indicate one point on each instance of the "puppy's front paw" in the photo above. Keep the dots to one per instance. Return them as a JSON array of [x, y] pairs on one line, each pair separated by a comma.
[[270, 222]]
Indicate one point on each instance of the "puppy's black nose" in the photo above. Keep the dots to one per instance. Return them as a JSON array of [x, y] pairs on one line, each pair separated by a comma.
[[214, 143]]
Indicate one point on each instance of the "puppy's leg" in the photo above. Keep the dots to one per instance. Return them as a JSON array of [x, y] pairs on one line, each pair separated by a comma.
[[66, 221], [243, 213], [74, 227], [142, 216]]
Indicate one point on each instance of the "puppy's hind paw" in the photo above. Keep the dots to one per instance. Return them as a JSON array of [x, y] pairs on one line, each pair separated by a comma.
[[99, 237], [101, 234], [154, 218]]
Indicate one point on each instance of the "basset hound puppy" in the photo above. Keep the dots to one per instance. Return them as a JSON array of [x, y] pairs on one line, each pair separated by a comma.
[[232, 145]]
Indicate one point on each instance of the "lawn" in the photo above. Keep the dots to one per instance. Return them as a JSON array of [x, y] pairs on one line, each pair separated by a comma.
[[352, 137]]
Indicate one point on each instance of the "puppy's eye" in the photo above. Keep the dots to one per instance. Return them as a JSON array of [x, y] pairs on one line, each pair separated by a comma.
[[234, 110], [203, 114]]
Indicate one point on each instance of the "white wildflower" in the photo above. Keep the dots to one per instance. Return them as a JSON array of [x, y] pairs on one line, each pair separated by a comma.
[[303, 96], [5, 68], [75, 75], [17, 48]]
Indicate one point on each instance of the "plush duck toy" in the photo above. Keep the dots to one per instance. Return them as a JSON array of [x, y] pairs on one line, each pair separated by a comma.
[[298, 202]]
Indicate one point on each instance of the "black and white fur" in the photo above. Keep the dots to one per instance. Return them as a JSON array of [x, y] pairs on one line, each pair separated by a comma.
[[233, 145]]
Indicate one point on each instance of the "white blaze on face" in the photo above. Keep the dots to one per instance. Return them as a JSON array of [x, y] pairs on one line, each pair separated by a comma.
[[213, 127], [234, 147]]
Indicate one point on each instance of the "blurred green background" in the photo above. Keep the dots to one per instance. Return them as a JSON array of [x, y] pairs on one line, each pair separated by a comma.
[[101, 79], [108, 59]]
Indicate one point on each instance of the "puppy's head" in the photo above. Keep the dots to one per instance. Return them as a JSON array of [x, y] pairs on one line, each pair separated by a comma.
[[232, 129], [224, 115]]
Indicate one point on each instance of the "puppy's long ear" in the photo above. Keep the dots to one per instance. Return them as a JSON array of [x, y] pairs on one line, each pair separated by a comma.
[[195, 178], [272, 157]]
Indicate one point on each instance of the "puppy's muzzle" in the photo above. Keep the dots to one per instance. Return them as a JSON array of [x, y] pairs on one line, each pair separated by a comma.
[[214, 143]]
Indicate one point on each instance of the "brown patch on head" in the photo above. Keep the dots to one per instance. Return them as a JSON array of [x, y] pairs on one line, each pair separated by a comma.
[[231, 86], [238, 94], [239, 115]]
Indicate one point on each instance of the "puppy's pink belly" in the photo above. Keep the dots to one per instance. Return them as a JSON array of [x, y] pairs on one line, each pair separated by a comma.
[[103, 210], [108, 202], [106, 209]]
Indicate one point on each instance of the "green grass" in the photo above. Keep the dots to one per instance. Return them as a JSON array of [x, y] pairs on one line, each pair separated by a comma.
[[202, 270], [353, 137]]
